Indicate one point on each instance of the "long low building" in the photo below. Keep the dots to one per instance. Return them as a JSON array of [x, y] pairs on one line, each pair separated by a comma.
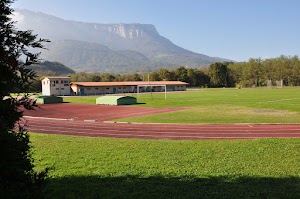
[[57, 85], [101, 88]]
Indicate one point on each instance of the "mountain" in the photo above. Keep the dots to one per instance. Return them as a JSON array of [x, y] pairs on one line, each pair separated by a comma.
[[95, 47], [93, 57], [51, 67]]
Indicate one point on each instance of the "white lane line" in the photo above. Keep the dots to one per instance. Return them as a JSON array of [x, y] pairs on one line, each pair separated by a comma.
[[142, 131], [165, 136], [48, 118], [156, 136], [181, 130]]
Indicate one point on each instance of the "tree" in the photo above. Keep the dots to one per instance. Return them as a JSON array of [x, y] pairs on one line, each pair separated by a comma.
[[197, 78], [295, 72], [17, 177], [153, 76], [132, 77], [218, 73], [80, 77], [106, 77], [166, 75], [256, 71], [95, 78], [181, 74]]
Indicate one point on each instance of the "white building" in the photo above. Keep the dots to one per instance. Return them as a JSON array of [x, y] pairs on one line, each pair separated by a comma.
[[56, 86]]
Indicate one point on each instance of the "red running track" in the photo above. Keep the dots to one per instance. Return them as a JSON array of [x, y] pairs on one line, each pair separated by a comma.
[[162, 131], [98, 128], [92, 112]]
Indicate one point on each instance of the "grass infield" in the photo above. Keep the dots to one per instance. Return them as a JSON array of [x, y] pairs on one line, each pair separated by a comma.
[[129, 168]]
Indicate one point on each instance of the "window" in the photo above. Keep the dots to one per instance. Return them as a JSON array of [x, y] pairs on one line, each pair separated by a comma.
[[66, 84], [61, 81], [62, 88], [57, 88], [96, 88], [57, 81], [107, 88], [89, 89]]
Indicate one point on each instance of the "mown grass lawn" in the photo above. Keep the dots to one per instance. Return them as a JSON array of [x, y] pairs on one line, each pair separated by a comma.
[[260, 105], [130, 168]]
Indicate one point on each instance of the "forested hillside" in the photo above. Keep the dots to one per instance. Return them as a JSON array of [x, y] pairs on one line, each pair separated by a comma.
[[48, 67]]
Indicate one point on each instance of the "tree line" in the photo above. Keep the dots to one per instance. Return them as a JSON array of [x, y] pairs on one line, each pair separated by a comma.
[[253, 73], [256, 72], [195, 77]]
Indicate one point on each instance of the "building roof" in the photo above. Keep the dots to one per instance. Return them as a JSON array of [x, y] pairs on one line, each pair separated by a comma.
[[136, 83], [115, 97], [55, 77]]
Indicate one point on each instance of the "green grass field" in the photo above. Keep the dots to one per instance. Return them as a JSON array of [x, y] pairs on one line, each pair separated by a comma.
[[131, 168], [212, 106], [82, 167]]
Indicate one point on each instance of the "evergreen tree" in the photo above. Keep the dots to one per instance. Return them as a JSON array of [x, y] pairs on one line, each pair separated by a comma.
[[17, 177]]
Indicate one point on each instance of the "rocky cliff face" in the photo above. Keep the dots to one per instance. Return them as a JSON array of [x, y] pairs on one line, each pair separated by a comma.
[[143, 39], [131, 31]]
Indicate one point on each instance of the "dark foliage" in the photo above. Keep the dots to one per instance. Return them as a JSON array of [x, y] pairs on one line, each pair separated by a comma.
[[17, 177]]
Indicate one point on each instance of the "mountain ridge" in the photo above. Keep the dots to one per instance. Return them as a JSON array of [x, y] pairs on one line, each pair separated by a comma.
[[148, 49]]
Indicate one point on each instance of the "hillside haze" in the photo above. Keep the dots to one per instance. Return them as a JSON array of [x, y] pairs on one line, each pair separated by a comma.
[[94, 47]]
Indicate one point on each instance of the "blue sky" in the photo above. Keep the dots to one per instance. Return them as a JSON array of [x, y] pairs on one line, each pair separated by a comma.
[[233, 29]]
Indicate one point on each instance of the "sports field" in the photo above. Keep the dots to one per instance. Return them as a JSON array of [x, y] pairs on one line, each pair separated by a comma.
[[85, 167], [250, 109], [219, 106]]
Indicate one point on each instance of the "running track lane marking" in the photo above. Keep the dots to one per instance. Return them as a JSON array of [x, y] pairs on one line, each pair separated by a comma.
[[163, 131]]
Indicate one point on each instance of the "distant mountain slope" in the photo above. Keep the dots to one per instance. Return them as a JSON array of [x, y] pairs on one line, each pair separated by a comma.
[[54, 67], [92, 57], [137, 47]]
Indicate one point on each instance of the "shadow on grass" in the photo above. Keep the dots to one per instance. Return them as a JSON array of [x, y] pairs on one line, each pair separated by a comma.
[[140, 103], [162, 187]]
